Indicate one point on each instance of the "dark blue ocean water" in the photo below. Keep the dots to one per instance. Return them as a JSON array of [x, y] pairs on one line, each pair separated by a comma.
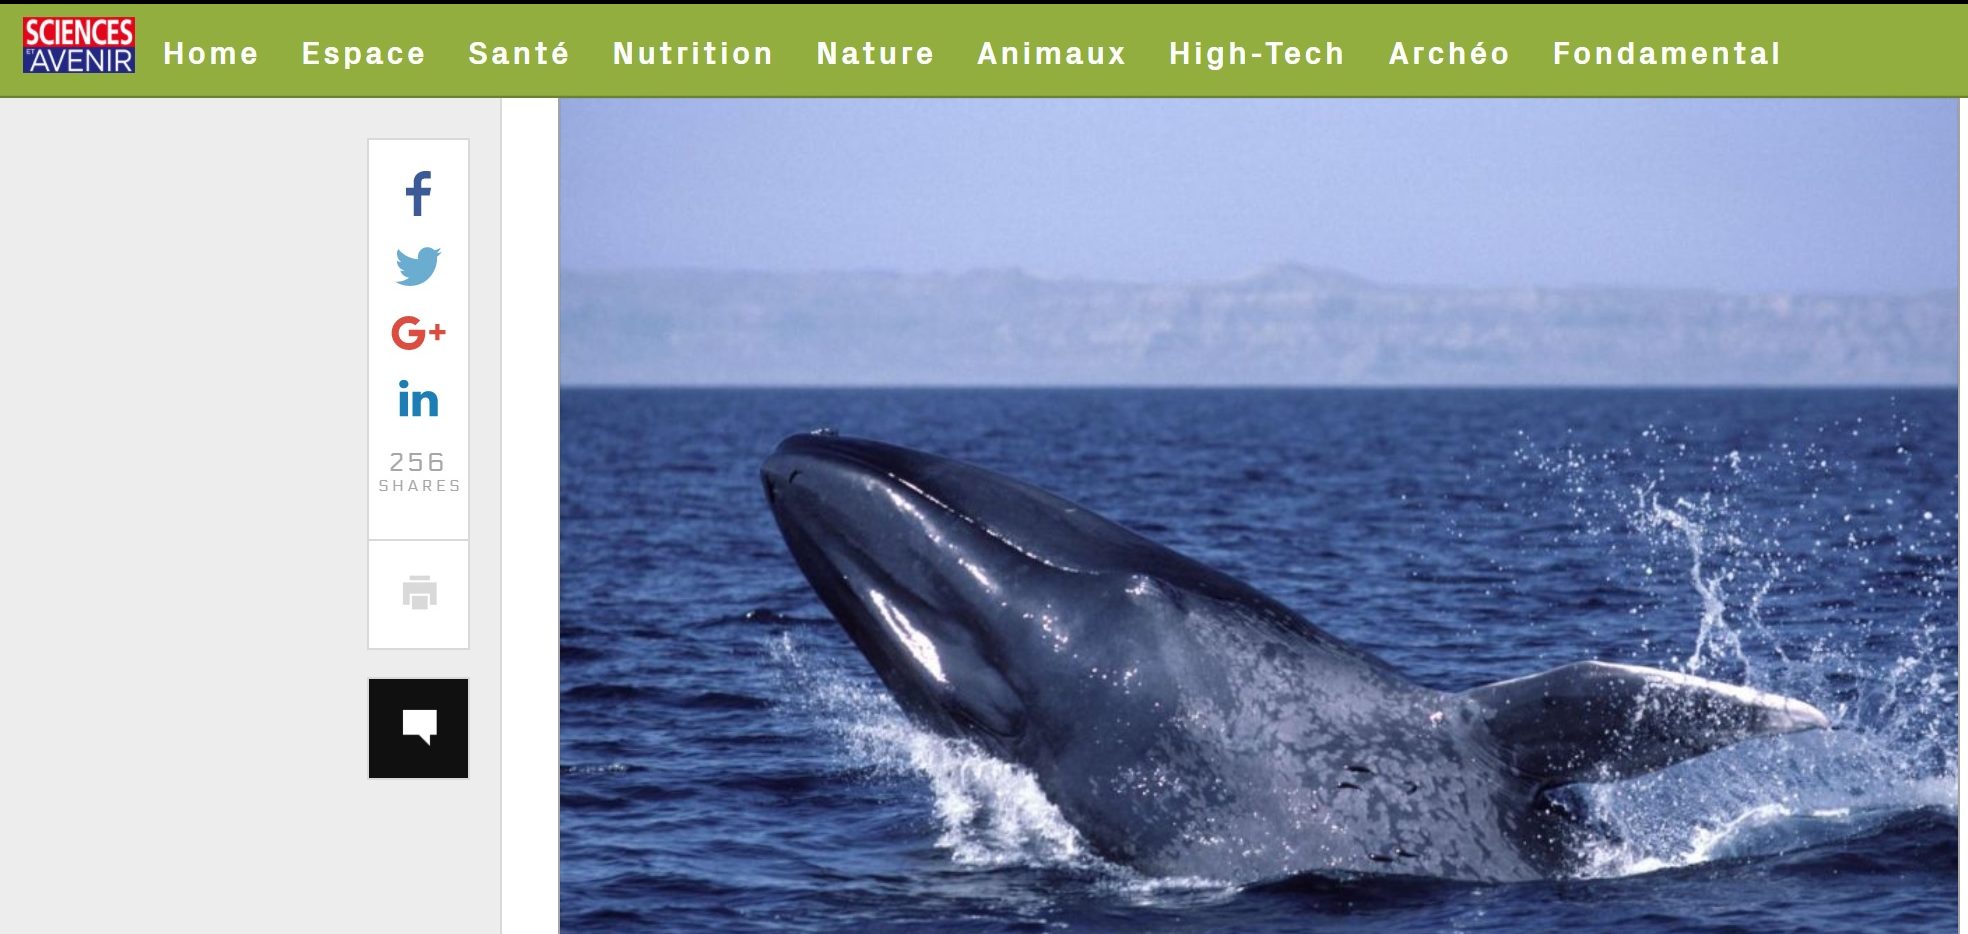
[[730, 762]]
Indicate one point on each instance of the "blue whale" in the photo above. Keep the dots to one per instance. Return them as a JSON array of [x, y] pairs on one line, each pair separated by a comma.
[[1186, 724]]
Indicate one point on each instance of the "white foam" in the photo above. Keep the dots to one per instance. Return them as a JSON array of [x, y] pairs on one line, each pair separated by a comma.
[[1767, 829], [991, 813]]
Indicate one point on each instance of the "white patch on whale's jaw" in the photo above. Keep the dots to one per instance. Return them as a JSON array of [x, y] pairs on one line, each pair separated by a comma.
[[920, 647]]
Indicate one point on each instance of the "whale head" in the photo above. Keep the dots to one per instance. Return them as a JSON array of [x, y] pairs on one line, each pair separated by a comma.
[[972, 593]]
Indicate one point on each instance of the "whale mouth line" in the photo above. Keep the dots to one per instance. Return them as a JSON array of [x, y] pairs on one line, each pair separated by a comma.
[[974, 522], [825, 450]]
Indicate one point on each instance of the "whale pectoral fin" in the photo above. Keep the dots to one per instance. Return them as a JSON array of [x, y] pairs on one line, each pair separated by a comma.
[[1597, 721]]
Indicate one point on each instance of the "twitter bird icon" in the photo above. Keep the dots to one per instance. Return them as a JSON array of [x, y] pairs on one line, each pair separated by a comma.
[[416, 268]]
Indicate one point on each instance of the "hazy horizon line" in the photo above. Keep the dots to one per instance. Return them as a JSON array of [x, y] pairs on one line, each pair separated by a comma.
[[1255, 272]]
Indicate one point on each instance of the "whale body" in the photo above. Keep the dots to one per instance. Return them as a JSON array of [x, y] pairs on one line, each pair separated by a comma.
[[1186, 724]]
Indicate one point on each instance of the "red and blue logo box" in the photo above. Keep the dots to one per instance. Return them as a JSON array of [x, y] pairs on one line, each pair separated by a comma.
[[55, 45]]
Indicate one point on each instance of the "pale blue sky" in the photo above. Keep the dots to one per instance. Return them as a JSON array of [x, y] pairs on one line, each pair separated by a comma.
[[1838, 196]]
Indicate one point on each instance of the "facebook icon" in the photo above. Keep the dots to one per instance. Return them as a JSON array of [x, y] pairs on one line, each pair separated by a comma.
[[417, 191]]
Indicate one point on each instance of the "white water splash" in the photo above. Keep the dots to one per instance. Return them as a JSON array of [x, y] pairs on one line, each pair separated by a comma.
[[1716, 640], [991, 813], [1773, 827], [1895, 750]]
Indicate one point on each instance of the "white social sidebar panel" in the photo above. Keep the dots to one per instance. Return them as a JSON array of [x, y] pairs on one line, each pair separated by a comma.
[[418, 338]]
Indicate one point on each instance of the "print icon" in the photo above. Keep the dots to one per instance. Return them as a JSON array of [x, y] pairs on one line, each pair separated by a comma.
[[412, 337], [420, 592], [417, 268], [421, 724], [417, 191], [408, 578]]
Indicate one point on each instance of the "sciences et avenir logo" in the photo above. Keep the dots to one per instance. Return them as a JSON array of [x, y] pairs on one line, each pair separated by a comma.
[[54, 45]]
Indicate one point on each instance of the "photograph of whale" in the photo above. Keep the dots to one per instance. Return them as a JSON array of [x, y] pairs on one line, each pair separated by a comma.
[[1188, 725], [1259, 515]]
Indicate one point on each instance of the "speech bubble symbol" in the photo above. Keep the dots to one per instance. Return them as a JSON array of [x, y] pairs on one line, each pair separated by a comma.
[[420, 723]]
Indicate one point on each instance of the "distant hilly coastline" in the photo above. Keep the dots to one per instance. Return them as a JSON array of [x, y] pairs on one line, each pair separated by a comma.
[[1287, 325]]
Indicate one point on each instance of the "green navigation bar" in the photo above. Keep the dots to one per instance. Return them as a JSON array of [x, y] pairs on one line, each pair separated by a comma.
[[1022, 50]]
